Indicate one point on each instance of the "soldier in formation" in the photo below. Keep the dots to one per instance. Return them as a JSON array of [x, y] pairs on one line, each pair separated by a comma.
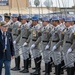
[[45, 40]]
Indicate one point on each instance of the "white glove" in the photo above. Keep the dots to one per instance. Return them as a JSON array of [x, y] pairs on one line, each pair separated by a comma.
[[32, 46], [47, 47], [14, 42], [69, 50], [54, 47], [25, 44]]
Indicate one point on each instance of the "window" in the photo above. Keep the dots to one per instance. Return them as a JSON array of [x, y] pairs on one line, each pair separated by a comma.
[[4, 2]]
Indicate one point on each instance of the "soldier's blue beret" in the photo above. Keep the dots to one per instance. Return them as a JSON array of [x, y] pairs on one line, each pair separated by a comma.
[[15, 15], [24, 17], [68, 19], [61, 17], [37, 15], [35, 18], [45, 19], [54, 18]]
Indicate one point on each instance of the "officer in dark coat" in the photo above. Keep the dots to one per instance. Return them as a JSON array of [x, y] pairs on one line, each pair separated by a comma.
[[6, 48]]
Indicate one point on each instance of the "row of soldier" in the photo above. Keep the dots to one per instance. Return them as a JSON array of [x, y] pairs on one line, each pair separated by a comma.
[[51, 41]]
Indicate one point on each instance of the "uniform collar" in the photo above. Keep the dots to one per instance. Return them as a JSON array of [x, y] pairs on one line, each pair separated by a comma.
[[69, 27], [24, 24], [16, 22], [46, 26], [35, 25], [56, 26]]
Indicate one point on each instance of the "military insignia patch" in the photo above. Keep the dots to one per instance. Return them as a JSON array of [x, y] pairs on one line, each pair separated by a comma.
[[34, 33]]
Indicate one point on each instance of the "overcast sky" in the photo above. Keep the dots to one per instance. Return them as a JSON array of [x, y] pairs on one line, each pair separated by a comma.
[[62, 3]]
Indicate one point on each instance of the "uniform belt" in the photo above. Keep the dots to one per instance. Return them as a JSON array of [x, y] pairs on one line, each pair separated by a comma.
[[68, 42], [33, 40], [45, 41], [24, 37], [55, 41], [15, 34]]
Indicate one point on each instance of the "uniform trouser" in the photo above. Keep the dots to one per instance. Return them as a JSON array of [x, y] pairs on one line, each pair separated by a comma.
[[25, 52], [47, 59], [69, 63], [69, 59], [16, 47], [37, 59], [17, 56], [56, 56], [46, 56], [36, 53]]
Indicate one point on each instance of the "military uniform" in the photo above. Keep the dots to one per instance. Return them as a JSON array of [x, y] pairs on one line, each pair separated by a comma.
[[15, 34], [35, 34], [55, 51], [68, 45], [25, 32], [45, 38], [10, 25], [34, 45]]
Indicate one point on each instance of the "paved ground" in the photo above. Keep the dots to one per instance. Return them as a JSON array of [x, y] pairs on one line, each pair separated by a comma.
[[30, 70]]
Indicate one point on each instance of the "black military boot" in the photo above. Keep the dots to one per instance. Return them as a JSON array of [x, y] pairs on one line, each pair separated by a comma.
[[58, 69], [71, 71], [51, 64], [17, 64], [62, 69], [47, 68], [29, 61], [68, 70], [37, 63], [50, 67], [25, 70]]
